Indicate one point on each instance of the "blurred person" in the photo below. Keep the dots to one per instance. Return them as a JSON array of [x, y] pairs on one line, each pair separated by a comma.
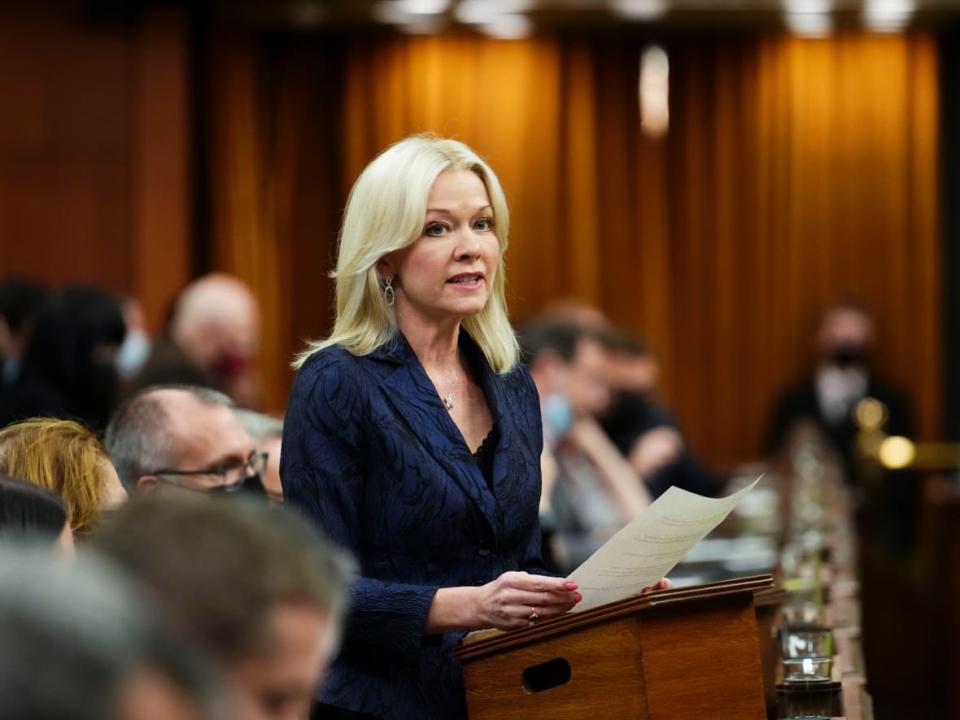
[[828, 397], [632, 374], [644, 431], [68, 369], [184, 436], [267, 433], [633, 366], [412, 435], [826, 400], [28, 511], [20, 300], [80, 643], [594, 491], [255, 585], [67, 459], [211, 340]]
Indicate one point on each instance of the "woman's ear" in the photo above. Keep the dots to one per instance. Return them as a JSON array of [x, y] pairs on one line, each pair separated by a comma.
[[385, 267]]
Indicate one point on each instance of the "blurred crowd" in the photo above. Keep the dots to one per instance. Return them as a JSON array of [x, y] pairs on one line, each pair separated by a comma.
[[147, 566], [147, 563]]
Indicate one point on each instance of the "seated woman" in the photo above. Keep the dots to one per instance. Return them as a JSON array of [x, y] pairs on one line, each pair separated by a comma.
[[67, 459], [30, 512]]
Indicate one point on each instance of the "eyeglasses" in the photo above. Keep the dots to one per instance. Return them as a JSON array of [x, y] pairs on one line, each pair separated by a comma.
[[233, 474]]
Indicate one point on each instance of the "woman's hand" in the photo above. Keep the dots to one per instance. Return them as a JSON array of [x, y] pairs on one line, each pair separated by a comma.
[[517, 599], [662, 584]]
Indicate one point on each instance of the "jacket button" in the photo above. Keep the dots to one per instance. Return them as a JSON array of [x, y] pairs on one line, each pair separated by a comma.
[[484, 550]]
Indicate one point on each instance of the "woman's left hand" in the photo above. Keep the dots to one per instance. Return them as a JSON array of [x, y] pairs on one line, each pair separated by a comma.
[[662, 584], [518, 599]]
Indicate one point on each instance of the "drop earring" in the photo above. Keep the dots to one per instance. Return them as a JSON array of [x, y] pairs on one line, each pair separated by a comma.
[[389, 297]]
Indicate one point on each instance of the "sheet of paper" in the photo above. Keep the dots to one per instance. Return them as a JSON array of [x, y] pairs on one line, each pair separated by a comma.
[[650, 545]]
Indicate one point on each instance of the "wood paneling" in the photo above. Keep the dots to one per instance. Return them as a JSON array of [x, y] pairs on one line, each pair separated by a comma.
[[93, 151], [162, 202], [65, 147]]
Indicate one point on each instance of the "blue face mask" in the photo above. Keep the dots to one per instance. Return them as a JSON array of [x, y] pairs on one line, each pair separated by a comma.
[[133, 353], [557, 416]]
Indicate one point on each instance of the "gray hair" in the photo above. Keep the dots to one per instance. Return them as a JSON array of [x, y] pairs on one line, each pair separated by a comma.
[[75, 633], [260, 426], [138, 437], [219, 567]]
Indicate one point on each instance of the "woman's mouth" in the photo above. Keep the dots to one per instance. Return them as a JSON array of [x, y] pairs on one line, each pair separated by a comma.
[[466, 280]]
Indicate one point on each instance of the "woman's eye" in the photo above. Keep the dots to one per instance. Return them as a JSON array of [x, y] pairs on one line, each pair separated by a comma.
[[435, 229], [483, 224]]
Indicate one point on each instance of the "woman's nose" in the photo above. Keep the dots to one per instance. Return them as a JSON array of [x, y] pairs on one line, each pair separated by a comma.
[[468, 245]]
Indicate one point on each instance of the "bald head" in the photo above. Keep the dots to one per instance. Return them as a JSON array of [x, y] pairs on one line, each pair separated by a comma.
[[214, 315]]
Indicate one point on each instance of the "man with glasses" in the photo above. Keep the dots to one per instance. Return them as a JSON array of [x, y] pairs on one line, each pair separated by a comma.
[[185, 436], [267, 434]]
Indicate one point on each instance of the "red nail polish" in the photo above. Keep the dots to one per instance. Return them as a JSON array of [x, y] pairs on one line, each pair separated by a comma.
[[579, 597], [571, 586]]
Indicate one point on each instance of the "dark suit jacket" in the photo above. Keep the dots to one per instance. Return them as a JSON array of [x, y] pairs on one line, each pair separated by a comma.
[[370, 453], [800, 403]]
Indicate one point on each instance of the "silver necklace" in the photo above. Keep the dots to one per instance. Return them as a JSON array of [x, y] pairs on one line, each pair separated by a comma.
[[448, 401]]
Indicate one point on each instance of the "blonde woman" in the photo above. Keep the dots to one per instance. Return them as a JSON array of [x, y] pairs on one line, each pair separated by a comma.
[[67, 459], [413, 437]]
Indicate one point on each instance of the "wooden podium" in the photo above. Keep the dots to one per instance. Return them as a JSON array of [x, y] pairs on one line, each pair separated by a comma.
[[678, 654]]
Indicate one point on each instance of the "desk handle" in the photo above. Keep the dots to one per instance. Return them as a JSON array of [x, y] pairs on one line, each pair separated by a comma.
[[546, 676]]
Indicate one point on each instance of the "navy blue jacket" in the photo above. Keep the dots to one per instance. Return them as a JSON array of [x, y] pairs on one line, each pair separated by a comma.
[[371, 454]]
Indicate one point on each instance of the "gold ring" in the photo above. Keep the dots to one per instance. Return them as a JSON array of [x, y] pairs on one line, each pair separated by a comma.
[[533, 616]]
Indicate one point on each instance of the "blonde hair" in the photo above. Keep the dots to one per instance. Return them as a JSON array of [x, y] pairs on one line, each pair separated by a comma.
[[63, 457], [385, 212]]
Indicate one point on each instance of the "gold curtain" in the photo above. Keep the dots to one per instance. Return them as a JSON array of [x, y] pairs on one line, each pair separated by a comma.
[[800, 170], [793, 171], [274, 188]]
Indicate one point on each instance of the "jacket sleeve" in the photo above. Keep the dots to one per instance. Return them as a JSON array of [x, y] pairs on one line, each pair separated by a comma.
[[323, 471]]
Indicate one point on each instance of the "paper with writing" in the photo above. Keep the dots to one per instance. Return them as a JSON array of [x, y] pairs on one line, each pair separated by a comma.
[[650, 545]]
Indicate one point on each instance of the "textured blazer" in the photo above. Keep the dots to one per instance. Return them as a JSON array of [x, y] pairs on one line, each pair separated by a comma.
[[371, 454]]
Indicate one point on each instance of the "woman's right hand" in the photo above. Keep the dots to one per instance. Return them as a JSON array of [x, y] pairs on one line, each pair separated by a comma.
[[518, 599]]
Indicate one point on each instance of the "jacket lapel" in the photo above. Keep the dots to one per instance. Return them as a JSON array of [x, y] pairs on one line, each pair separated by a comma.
[[413, 396]]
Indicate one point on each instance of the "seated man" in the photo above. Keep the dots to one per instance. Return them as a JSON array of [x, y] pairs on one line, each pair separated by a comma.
[[183, 435], [267, 434], [254, 585], [642, 428], [843, 376], [590, 490], [212, 340]]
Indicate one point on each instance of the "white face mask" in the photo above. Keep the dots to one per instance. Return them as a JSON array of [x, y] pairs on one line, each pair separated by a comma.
[[133, 353]]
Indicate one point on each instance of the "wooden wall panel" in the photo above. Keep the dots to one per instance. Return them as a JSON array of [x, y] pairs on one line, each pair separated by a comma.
[[94, 151], [65, 147]]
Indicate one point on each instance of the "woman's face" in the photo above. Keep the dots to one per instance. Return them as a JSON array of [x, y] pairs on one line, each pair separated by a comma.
[[449, 270]]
